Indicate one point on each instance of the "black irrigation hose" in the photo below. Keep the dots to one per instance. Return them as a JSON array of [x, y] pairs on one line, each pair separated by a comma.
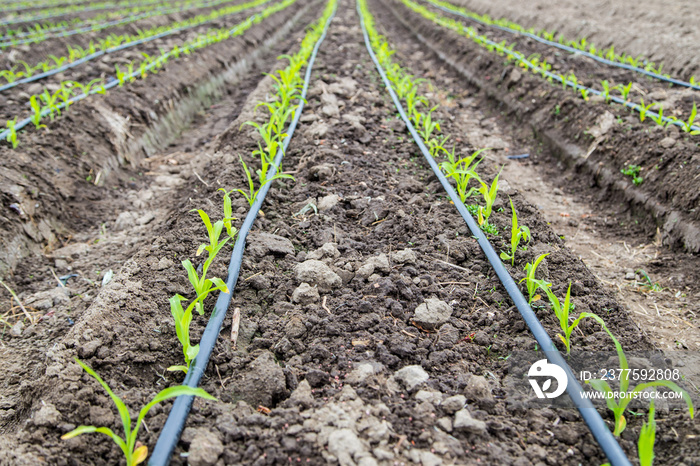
[[170, 435], [116, 48], [590, 415], [595, 57]]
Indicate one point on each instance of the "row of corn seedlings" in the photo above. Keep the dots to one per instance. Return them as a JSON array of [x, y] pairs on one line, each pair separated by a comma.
[[47, 104], [568, 81], [39, 28], [29, 5], [114, 42], [581, 45], [72, 9], [287, 86], [39, 32], [463, 171]]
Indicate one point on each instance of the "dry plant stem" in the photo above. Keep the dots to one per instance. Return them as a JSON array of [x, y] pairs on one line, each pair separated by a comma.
[[235, 325], [26, 314]]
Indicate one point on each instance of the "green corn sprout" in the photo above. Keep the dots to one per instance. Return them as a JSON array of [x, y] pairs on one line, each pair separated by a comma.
[[643, 110], [647, 437], [250, 196], [618, 409], [12, 135], [517, 234], [659, 118], [531, 282], [203, 285], [687, 126], [624, 90], [606, 90], [489, 194], [228, 214], [36, 109], [562, 311], [133, 452], [461, 170]]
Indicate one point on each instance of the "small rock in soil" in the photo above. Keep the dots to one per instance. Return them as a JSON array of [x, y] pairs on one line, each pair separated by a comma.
[[360, 373], [315, 272], [301, 396], [667, 142], [305, 294], [317, 378], [205, 449], [344, 445], [264, 382], [411, 377], [328, 202], [454, 403], [48, 415], [478, 388], [380, 262], [464, 421], [405, 256], [295, 328], [430, 396], [445, 423], [17, 329], [260, 244], [432, 313], [365, 271], [327, 250]]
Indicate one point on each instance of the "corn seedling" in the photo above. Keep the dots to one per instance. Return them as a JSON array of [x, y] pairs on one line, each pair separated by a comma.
[[562, 311], [624, 90], [606, 90], [202, 287], [633, 172], [643, 109], [628, 395], [12, 135], [687, 126], [517, 234], [659, 118], [36, 112], [531, 281], [647, 437], [489, 193], [228, 214], [134, 453], [461, 170]]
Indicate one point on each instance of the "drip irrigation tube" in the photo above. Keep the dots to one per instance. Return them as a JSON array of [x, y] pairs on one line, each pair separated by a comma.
[[117, 48], [170, 435], [595, 57], [595, 423], [100, 26], [113, 83]]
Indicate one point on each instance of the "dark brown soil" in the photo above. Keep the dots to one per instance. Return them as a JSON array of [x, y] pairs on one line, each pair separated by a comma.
[[328, 367]]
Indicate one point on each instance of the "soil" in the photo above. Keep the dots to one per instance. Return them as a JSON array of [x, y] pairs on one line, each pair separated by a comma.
[[626, 24], [349, 372]]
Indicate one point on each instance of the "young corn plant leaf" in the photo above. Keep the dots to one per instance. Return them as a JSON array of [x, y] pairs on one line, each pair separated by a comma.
[[532, 283], [611, 398], [134, 455], [517, 234], [647, 437]]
